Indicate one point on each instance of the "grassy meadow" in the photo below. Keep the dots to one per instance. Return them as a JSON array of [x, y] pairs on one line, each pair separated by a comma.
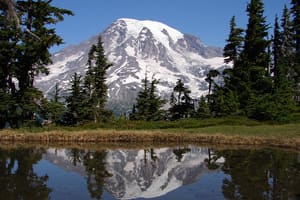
[[234, 130]]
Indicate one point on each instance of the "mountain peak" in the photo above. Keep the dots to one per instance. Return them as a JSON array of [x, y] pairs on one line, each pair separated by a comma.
[[139, 47], [161, 31]]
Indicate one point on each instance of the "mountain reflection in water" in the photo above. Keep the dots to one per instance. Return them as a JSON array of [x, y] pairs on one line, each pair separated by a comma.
[[186, 172]]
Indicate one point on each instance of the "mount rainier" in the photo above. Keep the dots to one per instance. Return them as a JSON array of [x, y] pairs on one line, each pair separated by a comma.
[[136, 48]]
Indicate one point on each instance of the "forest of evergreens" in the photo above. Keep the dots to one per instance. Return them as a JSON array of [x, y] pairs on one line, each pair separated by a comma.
[[262, 84]]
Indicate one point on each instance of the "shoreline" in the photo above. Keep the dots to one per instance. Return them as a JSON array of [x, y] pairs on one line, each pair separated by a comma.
[[153, 136]]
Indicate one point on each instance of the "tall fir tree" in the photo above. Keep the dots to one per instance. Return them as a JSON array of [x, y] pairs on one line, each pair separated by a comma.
[[275, 103], [232, 79], [203, 109], [295, 10], [155, 102], [249, 87], [95, 87], [276, 50], [287, 42], [26, 36], [283, 55], [75, 101], [182, 105], [256, 42], [255, 76], [142, 101], [210, 80], [283, 50], [148, 104], [233, 46]]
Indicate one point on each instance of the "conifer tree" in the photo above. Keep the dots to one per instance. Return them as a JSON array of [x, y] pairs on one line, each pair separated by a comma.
[[283, 50], [287, 41], [142, 101], [234, 43], [56, 93], [203, 109], [95, 87], [254, 75], [52, 110], [155, 102], [295, 10], [256, 43], [282, 95], [148, 104], [132, 115], [277, 103], [25, 38], [276, 50], [181, 102], [75, 101], [210, 79], [232, 77]]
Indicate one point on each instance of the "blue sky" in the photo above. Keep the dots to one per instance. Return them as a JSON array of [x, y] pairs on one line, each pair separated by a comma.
[[207, 19]]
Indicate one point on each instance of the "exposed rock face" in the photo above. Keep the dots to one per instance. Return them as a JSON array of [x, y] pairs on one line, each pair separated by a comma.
[[137, 48]]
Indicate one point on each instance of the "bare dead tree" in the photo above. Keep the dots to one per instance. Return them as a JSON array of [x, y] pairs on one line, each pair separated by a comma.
[[12, 17], [11, 14]]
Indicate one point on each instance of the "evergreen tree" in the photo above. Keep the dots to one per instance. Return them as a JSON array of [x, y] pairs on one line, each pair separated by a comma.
[[155, 102], [95, 87], [210, 79], [277, 43], [142, 101], [295, 10], [132, 115], [203, 109], [181, 102], [287, 41], [253, 71], [56, 93], [224, 102], [249, 87], [234, 43], [94, 163], [53, 109], [75, 101], [277, 104], [283, 51], [26, 36], [148, 103], [225, 99], [283, 65], [255, 44]]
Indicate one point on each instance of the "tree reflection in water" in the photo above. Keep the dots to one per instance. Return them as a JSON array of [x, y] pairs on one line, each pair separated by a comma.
[[179, 152], [94, 162], [261, 174], [17, 177], [155, 173]]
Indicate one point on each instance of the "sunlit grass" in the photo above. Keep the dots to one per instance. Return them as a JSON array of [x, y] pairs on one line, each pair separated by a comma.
[[215, 130]]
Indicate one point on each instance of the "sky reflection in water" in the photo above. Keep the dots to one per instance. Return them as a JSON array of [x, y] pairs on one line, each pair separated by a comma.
[[161, 173]]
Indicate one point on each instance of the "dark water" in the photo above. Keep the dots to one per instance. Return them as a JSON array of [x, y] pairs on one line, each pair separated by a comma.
[[186, 172]]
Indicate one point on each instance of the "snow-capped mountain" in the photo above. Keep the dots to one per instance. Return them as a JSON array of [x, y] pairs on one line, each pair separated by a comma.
[[143, 173], [137, 48], [138, 175]]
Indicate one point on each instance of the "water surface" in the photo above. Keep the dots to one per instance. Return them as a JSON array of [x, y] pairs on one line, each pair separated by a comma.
[[182, 172]]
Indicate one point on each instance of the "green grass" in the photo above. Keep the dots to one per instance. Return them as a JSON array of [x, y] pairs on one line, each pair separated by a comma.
[[183, 123], [278, 131], [227, 126], [149, 125], [234, 130]]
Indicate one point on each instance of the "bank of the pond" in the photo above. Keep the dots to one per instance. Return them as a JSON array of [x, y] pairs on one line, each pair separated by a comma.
[[221, 135]]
